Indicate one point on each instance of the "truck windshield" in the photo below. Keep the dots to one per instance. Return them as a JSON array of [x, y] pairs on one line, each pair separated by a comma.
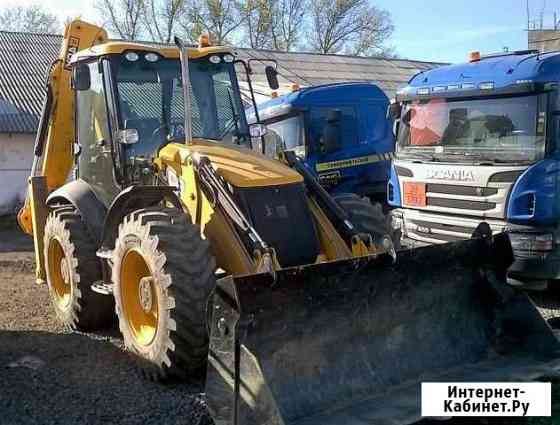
[[150, 100], [507, 129]]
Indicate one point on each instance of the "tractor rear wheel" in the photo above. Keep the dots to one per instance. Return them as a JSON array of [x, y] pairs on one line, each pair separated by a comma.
[[368, 217], [71, 267], [163, 274]]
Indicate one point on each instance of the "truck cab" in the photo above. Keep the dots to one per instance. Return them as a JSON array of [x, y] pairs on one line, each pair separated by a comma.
[[340, 130], [478, 142]]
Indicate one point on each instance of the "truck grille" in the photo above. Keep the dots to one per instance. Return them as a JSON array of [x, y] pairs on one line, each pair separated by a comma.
[[474, 201], [461, 190], [460, 204]]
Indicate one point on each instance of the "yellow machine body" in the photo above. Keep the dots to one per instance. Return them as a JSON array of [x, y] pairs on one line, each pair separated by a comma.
[[240, 167]]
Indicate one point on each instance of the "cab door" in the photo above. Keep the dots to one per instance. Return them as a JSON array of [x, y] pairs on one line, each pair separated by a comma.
[[94, 153]]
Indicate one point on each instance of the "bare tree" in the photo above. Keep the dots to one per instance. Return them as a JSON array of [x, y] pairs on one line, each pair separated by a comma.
[[257, 21], [123, 17], [162, 18], [287, 22], [219, 18], [349, 26], [34, 18]]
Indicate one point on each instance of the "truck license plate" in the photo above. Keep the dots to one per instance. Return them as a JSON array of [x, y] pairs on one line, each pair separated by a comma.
[[414, 194]]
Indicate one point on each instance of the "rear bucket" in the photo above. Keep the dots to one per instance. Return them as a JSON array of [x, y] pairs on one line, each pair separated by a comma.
[[348, 342]]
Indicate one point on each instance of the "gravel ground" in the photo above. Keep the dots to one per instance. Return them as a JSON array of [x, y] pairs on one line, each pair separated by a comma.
[[50, 376]]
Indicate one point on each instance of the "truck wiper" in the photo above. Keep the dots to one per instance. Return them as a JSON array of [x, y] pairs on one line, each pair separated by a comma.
[[421, 155]]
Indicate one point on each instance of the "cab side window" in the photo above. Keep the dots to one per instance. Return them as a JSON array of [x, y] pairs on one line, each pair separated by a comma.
[[333, 127]]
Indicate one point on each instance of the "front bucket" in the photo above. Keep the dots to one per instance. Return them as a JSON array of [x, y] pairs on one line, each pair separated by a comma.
[[348, 342]]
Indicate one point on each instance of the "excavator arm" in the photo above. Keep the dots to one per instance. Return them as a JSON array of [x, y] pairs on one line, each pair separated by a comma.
[[53, 153]]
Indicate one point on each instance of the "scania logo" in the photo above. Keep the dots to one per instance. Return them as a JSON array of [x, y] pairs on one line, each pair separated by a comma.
[[450, 174]]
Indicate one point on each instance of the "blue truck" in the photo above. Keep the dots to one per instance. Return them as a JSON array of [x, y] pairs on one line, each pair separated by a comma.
[[480, 142], [341, 130]]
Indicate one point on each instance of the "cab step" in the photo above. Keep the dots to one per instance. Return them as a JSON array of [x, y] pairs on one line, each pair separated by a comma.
[[102, 287]]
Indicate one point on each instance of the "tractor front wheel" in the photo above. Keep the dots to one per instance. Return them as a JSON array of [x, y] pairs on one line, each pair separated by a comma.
[[163, 274]]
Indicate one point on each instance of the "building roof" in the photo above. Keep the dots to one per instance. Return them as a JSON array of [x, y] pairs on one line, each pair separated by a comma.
[[25, 59], [308, 69]]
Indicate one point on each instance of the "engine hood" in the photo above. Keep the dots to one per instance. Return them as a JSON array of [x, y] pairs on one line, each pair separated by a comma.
[[238, 165]]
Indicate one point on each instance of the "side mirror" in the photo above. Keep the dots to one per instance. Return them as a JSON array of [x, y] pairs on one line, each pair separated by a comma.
[[81, 78], [257, 130], [272, 77], [128, 136], [394, 110]]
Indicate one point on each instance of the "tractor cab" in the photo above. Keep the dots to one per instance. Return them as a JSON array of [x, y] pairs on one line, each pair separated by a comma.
[[129, 100]]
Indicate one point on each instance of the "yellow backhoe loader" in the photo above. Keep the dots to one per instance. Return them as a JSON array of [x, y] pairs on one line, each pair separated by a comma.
[[146, 198]]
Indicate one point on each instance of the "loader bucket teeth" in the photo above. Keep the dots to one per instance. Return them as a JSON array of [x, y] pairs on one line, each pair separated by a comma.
[[349, 342]]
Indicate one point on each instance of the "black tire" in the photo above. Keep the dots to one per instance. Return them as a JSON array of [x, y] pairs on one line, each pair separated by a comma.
[[367, 217], [71, 264], [162, 245]]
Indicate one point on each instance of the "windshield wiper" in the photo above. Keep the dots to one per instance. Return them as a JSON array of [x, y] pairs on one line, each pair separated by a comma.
[[482, 159], [422, 155]]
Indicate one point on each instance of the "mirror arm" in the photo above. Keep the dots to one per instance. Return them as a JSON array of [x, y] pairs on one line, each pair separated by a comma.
[[253, 100]]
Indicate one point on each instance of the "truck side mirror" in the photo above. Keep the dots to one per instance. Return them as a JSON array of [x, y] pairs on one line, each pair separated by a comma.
[[394, 110], [81, 78], [272, 77]]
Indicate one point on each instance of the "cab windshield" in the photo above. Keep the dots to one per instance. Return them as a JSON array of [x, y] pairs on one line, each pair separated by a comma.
[[150, 100], [497, 130]]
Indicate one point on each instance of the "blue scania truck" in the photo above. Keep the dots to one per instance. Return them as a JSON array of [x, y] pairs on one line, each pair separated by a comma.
[[341, 131], [480, 142]]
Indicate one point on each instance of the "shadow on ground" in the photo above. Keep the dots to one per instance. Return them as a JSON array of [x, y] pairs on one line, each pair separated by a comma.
[[54, 378], [12, 239]]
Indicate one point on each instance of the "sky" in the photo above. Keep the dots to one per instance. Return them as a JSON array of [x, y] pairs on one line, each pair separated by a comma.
[[435, 30]]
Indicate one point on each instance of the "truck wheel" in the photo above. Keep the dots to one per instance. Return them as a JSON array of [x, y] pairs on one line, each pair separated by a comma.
[[163, 274], [71, 267], [368, 217]]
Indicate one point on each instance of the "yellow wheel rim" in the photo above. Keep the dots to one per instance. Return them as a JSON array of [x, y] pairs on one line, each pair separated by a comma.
[[139, 298], [59, 274]]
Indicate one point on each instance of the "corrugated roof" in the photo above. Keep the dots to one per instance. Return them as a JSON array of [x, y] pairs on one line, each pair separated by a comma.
[[25, 59], [313, 69]]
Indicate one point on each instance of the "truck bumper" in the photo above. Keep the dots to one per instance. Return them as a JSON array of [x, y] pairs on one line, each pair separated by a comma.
[[536, 250]]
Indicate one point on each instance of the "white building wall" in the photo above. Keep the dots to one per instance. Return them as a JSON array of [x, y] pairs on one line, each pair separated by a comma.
[[16, 156]]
